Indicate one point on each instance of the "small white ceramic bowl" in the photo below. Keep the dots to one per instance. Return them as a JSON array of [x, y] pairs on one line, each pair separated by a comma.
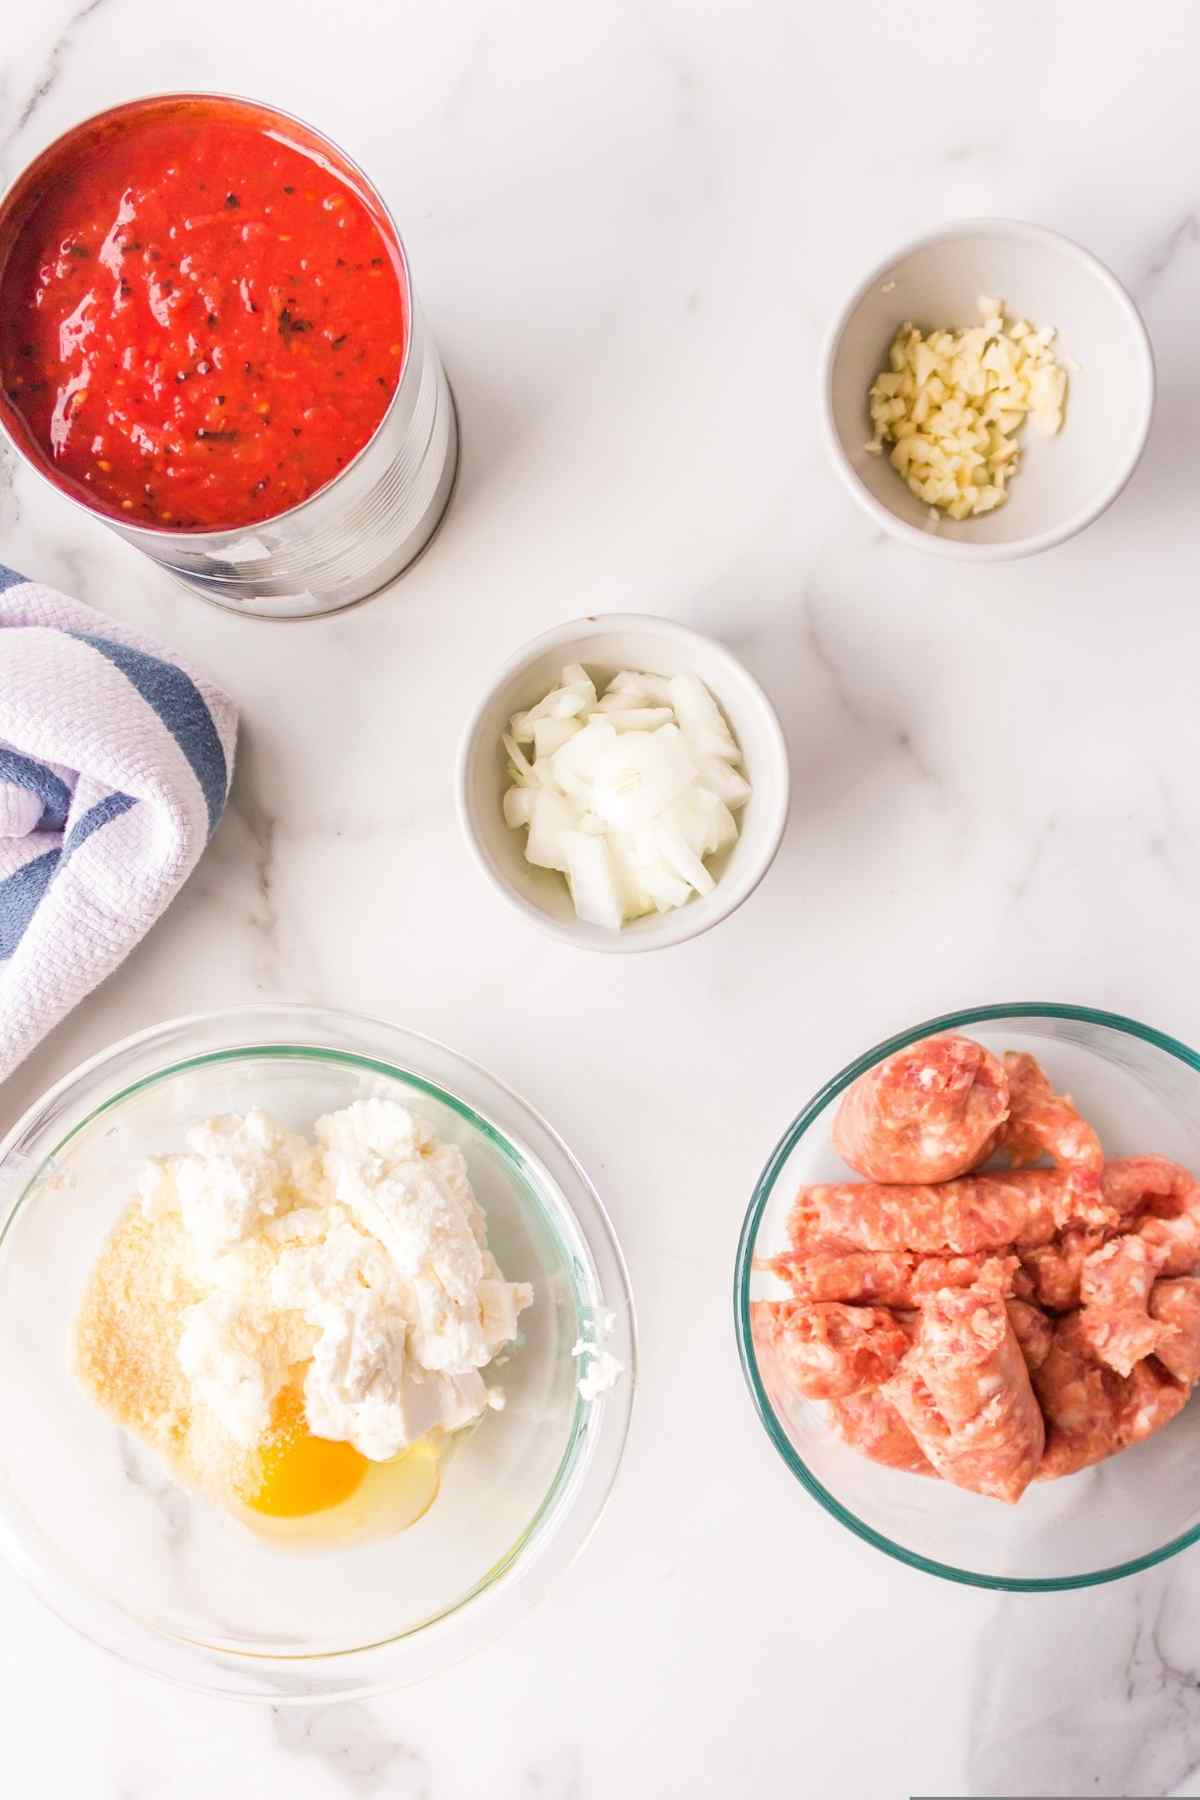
[[1064, 482], [605, 645]]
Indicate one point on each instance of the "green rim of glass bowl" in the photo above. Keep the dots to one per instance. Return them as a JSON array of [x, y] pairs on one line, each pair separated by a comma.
[[567, 1233], [976, 1015]]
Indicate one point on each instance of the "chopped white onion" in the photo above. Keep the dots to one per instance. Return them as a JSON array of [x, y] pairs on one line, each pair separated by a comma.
[[628, 792], [623, 848], [550, 735], [518, 806], [665, 889], [594, 887], [639, 776], [522, 770], [552, 818], [681, 859], [704, 822], [559, 703], [700, 719], [724, 781], [573, 766], [636, 718], [576, 676], [653, 688]]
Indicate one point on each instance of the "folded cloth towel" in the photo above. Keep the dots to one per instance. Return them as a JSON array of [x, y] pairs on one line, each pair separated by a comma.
[[114, 767]]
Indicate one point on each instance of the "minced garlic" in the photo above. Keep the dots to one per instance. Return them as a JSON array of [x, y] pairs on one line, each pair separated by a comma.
[[951, 404]]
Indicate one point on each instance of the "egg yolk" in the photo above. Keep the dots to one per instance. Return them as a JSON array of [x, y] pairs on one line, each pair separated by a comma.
[[298, 1473]]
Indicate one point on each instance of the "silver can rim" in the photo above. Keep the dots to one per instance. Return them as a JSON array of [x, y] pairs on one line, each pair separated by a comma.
[[155, 534]]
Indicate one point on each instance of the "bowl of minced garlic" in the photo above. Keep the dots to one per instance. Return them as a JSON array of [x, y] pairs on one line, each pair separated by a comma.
[[950, 407], [980, 427]]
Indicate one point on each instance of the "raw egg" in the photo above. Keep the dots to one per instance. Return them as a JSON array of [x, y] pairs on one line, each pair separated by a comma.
[[297, 1473]]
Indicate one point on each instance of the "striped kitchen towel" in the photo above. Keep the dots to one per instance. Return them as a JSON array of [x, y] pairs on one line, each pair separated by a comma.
[[114, 767]]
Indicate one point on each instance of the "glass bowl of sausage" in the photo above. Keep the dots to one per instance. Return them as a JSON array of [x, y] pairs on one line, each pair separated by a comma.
[[967, 1296]]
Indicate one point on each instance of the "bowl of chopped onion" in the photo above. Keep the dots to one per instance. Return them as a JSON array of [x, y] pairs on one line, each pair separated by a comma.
[[624, 782], [987, 391]]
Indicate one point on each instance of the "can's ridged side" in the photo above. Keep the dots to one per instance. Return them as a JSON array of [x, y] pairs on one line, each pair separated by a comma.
[[373, 519], [356, 536]]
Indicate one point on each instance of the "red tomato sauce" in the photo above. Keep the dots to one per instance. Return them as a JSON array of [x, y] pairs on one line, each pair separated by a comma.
[[200, 325]]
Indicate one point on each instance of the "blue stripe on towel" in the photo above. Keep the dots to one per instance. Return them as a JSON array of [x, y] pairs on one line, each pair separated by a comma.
[[55, 795], [22, 893], [94, 818], [180, 706], [111, 807], [20, 896], [10, 578]]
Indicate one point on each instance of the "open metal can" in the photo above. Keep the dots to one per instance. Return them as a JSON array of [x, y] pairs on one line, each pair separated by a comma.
[[366, 525]]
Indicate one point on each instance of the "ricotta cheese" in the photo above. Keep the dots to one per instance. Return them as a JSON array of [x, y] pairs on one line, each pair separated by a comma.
[[599, 1369], [364, 1256]]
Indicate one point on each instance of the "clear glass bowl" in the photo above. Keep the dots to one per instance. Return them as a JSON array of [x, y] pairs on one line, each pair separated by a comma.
[[167, 1580], [1141, 1090]]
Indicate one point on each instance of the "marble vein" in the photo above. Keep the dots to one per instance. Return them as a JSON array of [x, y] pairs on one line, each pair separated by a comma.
[[51, 69], [555, 1776], [973, 151], [169, 1498], [1169, 840], [10, 505], [899, 736], [1184, 236], [1042, 838], [262, 829], [346, 1740], [1100, 1700]]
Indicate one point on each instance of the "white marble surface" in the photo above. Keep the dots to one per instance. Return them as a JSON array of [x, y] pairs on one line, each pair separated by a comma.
[[629, 224]]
